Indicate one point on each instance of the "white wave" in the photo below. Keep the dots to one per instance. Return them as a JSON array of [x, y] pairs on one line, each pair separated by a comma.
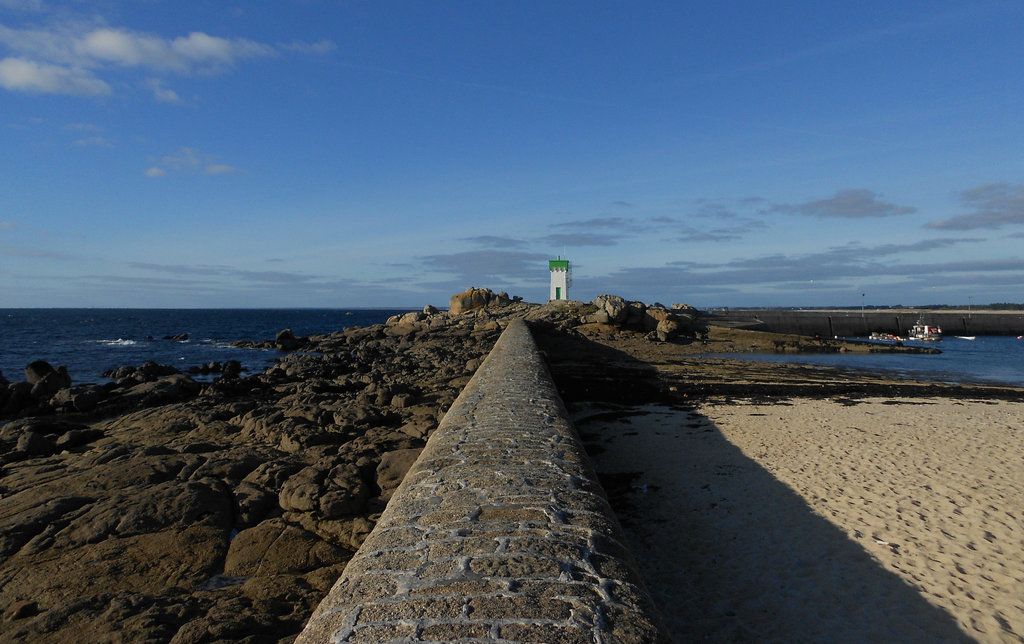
[[120, 342]]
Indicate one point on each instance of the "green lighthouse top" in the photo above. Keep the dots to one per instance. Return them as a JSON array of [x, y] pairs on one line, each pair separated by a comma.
[[558, 264]]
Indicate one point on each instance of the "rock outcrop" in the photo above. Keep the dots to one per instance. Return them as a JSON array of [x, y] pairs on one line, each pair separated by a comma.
[[658, 322], [159, 508], [477, 298]]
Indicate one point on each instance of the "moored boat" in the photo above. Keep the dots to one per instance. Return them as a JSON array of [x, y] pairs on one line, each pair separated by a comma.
[[925, 332], [882, 336]]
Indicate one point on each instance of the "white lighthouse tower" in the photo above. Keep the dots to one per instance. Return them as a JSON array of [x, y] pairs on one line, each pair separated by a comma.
[[561, 278]]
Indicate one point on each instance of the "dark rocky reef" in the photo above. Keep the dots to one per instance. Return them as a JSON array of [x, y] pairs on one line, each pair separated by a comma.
[[157, 508]]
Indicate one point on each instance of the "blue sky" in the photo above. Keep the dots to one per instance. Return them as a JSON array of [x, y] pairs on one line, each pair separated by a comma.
[[312, 153]]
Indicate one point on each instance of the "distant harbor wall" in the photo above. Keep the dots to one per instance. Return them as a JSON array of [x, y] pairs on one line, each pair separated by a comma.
[[853, 323], [499, 532]]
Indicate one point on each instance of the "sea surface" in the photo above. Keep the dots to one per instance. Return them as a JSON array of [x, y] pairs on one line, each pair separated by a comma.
[[985, 360], [91, 341]]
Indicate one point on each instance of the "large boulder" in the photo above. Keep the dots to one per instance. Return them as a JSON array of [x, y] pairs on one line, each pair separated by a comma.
[[392, 469], [36, 371], [45, 380], [611, 309], [477, 298], [273, 548], [82, 398], [286, 340]]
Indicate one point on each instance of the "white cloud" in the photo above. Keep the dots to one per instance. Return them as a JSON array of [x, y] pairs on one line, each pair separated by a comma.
[[70, 57], [197, 52], [95, 141], [23, 75], [190, 161], [161, 93]]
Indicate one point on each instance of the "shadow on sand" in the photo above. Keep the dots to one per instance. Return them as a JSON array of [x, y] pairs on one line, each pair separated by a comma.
[[728, 551]]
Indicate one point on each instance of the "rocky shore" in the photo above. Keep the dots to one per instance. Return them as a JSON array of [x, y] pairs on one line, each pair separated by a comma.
[[158, 508]]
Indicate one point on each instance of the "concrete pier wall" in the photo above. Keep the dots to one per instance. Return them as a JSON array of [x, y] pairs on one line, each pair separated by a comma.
[[499, 532], [852, 323]]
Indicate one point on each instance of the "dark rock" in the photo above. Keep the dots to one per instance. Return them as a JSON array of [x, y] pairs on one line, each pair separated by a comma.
[[254, 503], [274, 547], [33, 444], [165, 390], [286, 341], [121, 372], [402, 400], [232, 369], [21, 610], [301, 492], [146, 372], [82, 398], [19, 397], [78, 437], [32, 518], [37, 370], [272, 475], [392, 469], [343, 493]]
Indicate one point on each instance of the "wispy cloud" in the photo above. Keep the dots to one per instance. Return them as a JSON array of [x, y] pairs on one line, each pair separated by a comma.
[[481, 265], [189, 161], [83, 127], [841, 267], [584, 239], [596, 231], [220, 168], [161, 93], [94, 141], [853, 204], [23, 5], [22, 75], [319, 48], [218, 270], [72, 57], [34, 253], [993, 205], [494, 241]]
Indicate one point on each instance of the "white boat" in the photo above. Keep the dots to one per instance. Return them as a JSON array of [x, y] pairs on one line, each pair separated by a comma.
[[924, 332]]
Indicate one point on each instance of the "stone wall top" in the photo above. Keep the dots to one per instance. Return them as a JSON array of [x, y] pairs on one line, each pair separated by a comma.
[[499, 532]]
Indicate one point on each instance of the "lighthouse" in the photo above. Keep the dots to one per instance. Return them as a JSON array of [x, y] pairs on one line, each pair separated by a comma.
[[561, 278]]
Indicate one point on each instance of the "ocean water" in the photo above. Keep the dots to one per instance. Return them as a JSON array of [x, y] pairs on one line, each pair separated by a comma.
[[985, 360], [91, 341]]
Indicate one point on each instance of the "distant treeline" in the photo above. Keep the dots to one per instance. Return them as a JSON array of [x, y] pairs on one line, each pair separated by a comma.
[[995, 306]]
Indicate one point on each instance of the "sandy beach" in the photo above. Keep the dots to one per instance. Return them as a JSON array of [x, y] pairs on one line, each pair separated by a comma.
[[879, 519]]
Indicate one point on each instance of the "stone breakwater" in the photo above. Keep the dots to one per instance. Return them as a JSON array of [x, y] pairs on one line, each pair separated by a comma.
[[499, 531]]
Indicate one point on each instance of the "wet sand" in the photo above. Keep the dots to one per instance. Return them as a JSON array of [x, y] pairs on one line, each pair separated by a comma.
[[877, 519]]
